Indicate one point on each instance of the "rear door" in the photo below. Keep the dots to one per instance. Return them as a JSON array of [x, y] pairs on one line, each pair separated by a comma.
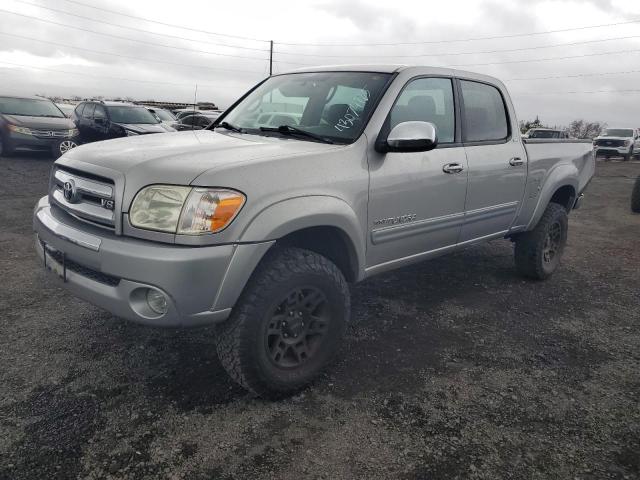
[[497, 161], [416, 201]]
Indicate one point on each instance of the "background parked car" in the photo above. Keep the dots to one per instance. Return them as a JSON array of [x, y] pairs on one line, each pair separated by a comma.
[[181, 113], [545, 133], [614, 142], [165, 116], [34, 123], [98, 120], [196, 121]]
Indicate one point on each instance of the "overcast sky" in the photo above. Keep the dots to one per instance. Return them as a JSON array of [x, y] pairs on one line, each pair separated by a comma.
[[157, 60]]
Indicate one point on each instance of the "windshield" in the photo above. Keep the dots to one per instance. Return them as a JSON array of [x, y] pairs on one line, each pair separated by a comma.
[[544, 134], [618, 132], [164, 115], [127, 114], [334, 105], [29, 107]]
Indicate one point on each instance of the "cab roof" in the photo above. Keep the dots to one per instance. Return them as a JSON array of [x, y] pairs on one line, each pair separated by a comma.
[[398, 68]]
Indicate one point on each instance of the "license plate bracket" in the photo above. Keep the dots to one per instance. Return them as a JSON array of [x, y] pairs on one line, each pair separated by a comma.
[[51, 264]]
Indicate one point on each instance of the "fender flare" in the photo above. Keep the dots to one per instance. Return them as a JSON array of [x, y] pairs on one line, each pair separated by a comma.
[[293, 214], [560, 176], [278, 220]]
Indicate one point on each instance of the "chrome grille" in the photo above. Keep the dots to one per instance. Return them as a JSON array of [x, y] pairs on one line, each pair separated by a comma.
[[603, 142], [86, 197], [50, 133]]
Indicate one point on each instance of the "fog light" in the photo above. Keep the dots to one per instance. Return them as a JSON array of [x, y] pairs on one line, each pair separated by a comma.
[[157, 301]]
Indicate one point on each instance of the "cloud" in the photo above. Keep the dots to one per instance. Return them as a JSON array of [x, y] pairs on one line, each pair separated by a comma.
[[168, 64]]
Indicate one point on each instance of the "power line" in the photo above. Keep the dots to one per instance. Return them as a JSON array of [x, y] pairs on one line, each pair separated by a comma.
[[461, 53], [577, 75], [141, 30], [103, 77], [616, 52], [469, 39], [125, 56], [130, 39], [574, 92], [533, 60], [157, 22]]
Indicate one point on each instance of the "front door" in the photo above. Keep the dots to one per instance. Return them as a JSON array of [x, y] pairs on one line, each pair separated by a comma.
[[416, 200], [496, 159]]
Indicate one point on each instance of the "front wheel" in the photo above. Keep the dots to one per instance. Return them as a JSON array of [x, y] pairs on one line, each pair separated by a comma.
[[538, 252], [287, 325], [63, 147], [629, 155]]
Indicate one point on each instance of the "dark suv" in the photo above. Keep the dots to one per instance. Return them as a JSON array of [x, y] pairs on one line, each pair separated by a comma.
[[34, 123], [104, 120]]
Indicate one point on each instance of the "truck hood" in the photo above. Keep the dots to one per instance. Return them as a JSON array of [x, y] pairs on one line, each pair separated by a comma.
[[180, 157], [42, 123], [613, 138]]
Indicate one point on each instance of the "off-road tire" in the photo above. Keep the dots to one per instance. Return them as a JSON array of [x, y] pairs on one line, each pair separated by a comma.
[[635, 196], [531, 255], [242, 341]]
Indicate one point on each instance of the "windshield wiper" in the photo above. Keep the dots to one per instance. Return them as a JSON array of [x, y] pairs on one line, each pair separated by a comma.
[[289, 130], [228, 126]]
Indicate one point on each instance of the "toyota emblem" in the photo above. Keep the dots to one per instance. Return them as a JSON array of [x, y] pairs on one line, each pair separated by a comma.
[[69, 191]]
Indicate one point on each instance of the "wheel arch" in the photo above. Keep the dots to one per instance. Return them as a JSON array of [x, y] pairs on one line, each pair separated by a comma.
[[306, 222], [560, 186]]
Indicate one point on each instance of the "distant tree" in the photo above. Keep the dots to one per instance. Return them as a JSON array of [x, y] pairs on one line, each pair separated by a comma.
[[584, 129], [524, 126], [76, 98]]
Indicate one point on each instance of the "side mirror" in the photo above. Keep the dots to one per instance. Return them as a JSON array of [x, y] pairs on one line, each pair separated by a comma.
[[410, 137]]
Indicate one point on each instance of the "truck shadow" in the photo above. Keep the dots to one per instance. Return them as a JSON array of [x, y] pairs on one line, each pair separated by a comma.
[[402, 323]]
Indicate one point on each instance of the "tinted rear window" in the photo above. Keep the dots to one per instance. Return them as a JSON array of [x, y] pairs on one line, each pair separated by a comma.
[[484, 113]]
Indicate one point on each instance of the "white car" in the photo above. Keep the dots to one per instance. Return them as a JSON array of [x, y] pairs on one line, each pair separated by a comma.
[[618, 142], [545, 133]]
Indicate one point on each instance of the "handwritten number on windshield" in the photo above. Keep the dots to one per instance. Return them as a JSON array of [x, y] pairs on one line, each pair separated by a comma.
[[356, 105]]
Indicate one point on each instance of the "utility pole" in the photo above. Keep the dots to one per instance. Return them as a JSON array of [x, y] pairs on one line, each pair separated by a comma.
[[270, 57]]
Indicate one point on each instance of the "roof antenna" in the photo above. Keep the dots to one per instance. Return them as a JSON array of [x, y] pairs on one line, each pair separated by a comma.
[[195, 98]]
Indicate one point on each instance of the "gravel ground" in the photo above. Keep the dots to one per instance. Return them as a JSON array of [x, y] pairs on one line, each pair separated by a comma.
[[455, 368]]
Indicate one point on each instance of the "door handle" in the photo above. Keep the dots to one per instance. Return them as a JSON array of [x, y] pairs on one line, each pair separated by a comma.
[[452, 168], [516, 162]]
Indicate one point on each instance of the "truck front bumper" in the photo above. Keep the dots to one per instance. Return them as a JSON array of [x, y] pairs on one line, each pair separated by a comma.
[[612, 151], [199, 284]]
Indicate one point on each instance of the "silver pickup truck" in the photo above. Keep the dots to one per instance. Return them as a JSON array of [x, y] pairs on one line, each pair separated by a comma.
[[260, 229]]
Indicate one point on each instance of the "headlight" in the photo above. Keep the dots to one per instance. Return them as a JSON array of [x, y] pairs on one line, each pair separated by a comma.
[[627, 143], [73, 132], [185, 210], [17, 129], [131, 133]]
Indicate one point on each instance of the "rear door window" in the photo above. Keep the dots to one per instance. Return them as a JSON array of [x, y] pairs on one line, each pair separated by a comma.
[[99, 112], [484, 112]]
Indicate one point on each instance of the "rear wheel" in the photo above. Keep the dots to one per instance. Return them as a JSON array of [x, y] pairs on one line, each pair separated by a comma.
[[288, 324], [538, 252], [635, 197]]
